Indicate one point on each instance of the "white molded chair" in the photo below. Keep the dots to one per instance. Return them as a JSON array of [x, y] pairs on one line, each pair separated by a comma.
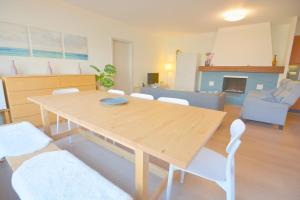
[[142, 96], [213, 166], [119, 92], [64, 91], [174, 100]]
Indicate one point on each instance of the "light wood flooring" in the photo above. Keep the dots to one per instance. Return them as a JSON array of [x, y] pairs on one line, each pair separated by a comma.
[[267, 163]]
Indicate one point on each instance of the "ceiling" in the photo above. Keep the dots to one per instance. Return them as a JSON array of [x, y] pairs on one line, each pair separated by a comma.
[[189, 15]]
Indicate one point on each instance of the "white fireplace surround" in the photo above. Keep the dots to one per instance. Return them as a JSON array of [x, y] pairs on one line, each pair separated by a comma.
[[228, 76], [238, 86]]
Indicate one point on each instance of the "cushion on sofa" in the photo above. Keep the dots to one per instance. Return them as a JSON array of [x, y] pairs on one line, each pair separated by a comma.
[[292, 93], [270, 99], [281, 91]]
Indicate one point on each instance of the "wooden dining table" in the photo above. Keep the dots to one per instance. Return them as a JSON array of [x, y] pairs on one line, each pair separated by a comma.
[[170, 132]]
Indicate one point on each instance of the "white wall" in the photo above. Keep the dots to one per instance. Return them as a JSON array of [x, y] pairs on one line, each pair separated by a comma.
[[187, 43], [298, 28], [291, 35], [59, 16], [252, 44], [280, 39], [244, 45]]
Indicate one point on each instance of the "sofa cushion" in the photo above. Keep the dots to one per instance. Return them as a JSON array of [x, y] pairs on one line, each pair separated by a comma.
[[270, 99], [281, 91], [292, 93], [285, 82]]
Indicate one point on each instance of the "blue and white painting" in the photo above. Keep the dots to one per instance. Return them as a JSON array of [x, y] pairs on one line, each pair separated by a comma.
[[20, 40], [14, 40], [76, 47], [46, 43]]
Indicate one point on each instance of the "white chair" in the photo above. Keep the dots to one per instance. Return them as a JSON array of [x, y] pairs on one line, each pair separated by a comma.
[[64, 91], [142, 96], [213, 166], [174, 100], [119, 92]]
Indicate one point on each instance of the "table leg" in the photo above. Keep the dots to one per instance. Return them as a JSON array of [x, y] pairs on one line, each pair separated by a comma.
[[141, 174], [45, 120], [6, 117]]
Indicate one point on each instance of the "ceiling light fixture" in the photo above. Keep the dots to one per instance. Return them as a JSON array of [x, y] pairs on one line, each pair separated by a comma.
[[235, 15]]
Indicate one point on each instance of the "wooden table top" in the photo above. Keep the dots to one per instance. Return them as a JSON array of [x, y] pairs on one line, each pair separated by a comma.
[[173, 133]]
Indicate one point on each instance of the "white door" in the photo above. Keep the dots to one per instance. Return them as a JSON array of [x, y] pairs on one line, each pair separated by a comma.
[[186, 72], [122, 59]]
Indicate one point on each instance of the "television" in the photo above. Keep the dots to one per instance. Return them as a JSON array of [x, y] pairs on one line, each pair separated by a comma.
[[153, 78]]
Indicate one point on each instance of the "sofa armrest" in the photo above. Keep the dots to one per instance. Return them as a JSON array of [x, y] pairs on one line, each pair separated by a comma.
[[260, 110], [221, 101]]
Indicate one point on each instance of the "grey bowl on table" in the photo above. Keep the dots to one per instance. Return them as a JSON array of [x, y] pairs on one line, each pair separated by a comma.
[[114, 101]]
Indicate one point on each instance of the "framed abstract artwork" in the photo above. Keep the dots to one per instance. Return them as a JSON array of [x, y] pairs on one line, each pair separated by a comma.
[[46, 43], [14, 40], [76, 47], [21, 40]]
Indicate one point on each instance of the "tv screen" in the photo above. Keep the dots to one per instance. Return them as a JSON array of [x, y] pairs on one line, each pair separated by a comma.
[[153, 78]]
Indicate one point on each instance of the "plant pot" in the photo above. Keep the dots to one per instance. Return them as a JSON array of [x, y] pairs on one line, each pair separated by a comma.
[[101, 88]]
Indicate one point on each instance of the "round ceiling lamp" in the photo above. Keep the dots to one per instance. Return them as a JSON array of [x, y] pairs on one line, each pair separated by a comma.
[[235, 15]]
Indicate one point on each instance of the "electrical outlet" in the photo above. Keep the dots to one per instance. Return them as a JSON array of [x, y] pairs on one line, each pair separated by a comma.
[[211, 83], [259, 86]]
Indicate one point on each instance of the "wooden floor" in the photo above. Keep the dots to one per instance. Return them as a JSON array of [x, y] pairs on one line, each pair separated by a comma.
[[267, 163]]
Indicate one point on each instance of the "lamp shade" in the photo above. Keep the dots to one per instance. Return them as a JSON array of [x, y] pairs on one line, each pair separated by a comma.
[[168, 67]]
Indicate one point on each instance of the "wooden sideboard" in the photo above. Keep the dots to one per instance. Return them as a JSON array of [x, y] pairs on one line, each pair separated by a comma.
[[19, 88]]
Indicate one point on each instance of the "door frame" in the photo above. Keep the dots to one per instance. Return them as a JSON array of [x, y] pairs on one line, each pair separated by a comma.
[[112, 39]]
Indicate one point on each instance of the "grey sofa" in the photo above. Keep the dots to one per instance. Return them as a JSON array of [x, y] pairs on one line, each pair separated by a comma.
[[205, 100], [271, 106]]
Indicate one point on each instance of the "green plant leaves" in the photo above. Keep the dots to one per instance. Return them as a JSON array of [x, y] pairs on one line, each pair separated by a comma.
[[107, 82], [105, 77], [95, 68], [110, 69]]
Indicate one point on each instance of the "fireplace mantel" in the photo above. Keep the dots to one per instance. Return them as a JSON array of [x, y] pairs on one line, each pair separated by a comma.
[[249, 69]]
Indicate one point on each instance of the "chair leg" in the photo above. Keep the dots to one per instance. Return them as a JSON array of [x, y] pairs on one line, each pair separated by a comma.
[[230, 195], [57, 124], [70, 139], [182, 177], [69, 128], [170, 182], [230, 191], [69, 125]]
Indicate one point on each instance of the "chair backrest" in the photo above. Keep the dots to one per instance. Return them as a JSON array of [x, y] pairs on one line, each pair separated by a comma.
[[237, 129], [120, 92], [174, 100], [65, 91], [142, 96]]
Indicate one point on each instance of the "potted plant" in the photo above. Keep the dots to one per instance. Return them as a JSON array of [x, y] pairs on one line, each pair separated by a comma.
[[104, 77]]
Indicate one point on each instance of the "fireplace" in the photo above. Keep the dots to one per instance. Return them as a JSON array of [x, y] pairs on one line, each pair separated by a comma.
[[234, 84]]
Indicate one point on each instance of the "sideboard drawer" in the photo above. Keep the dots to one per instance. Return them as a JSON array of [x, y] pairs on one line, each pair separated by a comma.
[[30, 83]]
